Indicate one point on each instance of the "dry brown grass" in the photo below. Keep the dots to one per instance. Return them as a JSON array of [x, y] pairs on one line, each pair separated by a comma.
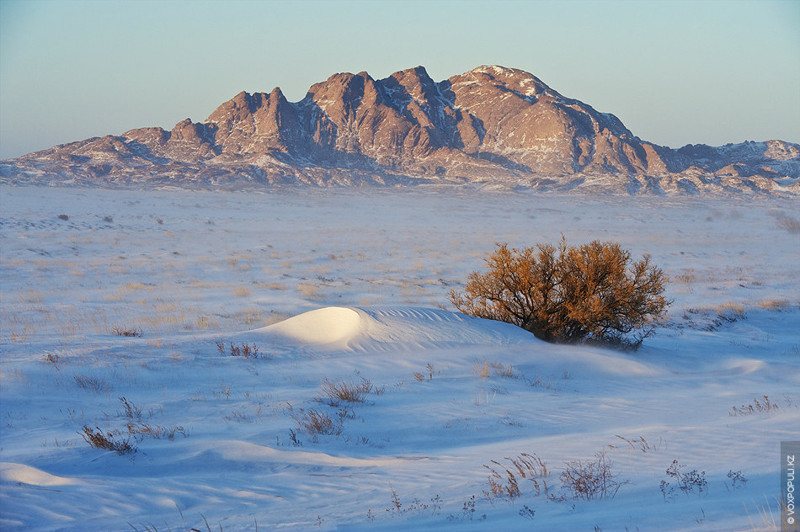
[[92, 384], [106, 440], [759, 405], [241, 291], [316, 422], [775, 305], [486, 369], [504, 479], [348, 392], [250, 316], [309, 290], [481, 370]]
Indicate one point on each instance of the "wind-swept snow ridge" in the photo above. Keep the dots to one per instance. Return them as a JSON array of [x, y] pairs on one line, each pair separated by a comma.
[[362, 328], [418, 327]]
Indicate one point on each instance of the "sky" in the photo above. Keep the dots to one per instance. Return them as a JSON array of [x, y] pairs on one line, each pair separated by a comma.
[[675, 72]]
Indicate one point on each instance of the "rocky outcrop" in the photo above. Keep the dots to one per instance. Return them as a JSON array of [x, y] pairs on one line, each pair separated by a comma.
[[491, 125]]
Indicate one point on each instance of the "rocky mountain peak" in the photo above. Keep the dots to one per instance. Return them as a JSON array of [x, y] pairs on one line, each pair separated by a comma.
[[491, 124]]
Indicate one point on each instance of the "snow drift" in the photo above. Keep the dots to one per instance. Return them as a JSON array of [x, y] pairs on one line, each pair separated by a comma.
[[371, 328]]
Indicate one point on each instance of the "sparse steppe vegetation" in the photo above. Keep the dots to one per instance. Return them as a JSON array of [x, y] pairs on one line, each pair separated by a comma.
[[412, 451]]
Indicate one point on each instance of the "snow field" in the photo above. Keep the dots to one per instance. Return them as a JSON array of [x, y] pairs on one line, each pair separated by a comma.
[[345, 287]]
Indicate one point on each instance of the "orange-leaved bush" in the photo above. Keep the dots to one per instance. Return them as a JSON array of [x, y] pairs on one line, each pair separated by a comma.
[[592, 292]]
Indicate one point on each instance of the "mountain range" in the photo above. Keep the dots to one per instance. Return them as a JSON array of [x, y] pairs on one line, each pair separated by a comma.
[[489, 126]]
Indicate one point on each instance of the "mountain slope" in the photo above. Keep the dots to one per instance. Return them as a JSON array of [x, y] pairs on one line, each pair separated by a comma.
[[492, 125]]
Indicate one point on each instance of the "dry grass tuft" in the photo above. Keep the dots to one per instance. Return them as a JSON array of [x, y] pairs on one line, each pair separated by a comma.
[[105, 440], [92, 384], [421, 376], [485, 370], [309, 290], [503, 371], [778, 305], [758, 406], [348, 392], [316, 422], [243, 350], [157, 432], [481, 370], [504, 479], [241, 291], [639, 444]]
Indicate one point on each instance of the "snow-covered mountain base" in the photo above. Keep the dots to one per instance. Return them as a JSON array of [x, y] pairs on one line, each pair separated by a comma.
[[338, 288]]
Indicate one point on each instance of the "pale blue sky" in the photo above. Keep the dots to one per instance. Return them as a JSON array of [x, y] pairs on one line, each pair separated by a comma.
[[675, 72]]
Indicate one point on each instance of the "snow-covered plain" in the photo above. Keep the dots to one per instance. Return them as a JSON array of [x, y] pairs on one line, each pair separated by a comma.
[[351, 286]]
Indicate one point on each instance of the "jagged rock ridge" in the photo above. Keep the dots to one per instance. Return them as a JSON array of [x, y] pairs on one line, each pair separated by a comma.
[[491, 125]]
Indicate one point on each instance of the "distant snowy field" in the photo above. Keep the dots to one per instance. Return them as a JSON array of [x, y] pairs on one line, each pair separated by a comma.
[[350, 287]]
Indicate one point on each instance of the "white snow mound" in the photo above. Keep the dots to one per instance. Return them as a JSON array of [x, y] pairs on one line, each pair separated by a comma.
[[380, 328], [11, 472], [329, 325]]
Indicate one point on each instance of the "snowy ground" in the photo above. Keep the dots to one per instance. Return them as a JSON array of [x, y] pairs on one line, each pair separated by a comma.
[[222, 441]]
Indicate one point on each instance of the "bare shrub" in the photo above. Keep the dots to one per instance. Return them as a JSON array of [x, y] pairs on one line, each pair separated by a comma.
[[133, 332], [737, 479], [589, 479], [569, 294], [686, 482]]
